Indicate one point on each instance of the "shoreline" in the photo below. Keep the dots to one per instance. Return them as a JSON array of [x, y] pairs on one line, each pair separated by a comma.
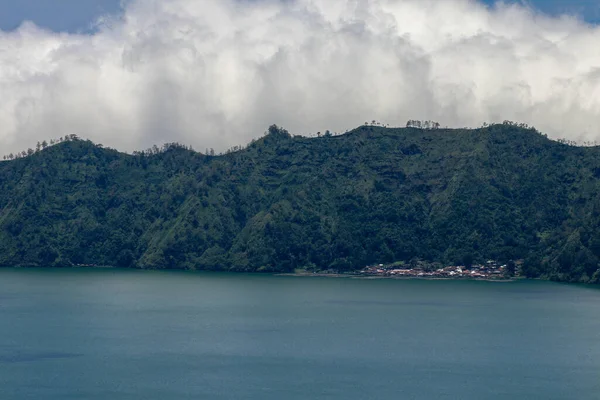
[[375, 277], [292, 274]]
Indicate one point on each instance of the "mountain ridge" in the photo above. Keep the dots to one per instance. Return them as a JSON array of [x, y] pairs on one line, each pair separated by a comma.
[[374, 194]]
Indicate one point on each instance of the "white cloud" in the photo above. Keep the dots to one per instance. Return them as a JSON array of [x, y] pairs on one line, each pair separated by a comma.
[[215, 73]]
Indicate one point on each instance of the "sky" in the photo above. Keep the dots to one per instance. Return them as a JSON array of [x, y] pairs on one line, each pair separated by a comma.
[[216, 73], [79, 15]]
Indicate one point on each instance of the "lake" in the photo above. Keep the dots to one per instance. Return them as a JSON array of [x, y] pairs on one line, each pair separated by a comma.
[[113, 334]]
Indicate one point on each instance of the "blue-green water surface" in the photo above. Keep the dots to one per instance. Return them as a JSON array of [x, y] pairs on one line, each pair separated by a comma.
[[110, 334]]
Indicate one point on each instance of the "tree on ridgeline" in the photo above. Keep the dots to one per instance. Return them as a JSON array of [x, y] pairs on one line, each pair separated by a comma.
[[428, 125]]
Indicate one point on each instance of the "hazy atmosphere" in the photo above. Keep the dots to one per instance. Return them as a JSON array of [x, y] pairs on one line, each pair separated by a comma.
[[216, 73]]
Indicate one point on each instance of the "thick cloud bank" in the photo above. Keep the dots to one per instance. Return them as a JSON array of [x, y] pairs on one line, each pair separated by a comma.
[[215, 73]]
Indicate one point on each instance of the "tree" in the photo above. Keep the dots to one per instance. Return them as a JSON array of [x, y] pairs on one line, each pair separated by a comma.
[[467, 260], [510, 269]]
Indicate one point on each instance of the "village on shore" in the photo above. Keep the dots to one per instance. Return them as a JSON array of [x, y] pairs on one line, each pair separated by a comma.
[[491, 269]]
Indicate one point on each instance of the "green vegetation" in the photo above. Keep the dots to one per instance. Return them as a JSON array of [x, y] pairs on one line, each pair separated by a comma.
[[373, 195]]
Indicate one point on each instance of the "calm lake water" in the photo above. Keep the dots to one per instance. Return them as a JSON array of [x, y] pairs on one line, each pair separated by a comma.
[[109, 334]]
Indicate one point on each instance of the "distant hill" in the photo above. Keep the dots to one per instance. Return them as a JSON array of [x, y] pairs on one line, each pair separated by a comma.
[[336, 202]]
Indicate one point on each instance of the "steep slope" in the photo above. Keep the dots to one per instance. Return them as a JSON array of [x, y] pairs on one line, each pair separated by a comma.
[[372, 195]]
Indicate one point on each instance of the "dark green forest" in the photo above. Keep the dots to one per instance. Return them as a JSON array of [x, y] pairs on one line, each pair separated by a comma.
[[372, 195]]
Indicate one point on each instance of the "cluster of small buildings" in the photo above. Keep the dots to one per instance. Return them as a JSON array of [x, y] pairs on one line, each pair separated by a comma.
[[490, 270]]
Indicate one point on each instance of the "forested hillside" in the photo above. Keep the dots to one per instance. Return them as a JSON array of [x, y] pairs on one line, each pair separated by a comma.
[[335, 202]]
